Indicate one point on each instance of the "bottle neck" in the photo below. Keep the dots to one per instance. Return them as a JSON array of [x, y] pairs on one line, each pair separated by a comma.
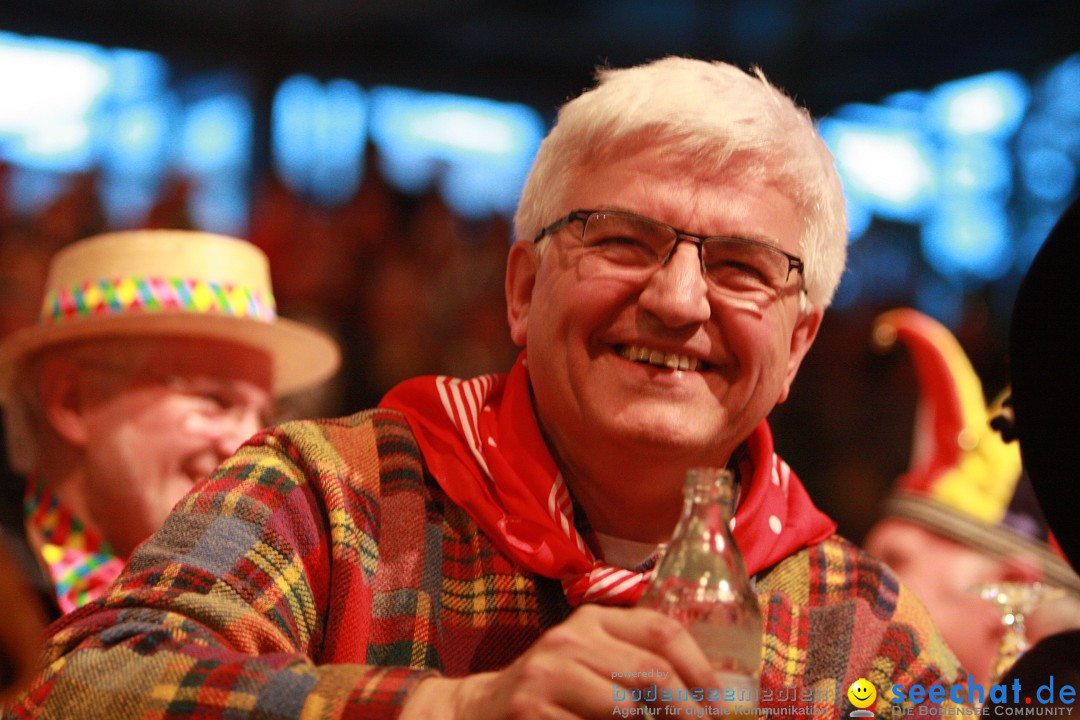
[[708, 500]]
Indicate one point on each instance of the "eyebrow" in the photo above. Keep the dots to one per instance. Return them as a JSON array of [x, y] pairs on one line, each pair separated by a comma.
[[766, 239]]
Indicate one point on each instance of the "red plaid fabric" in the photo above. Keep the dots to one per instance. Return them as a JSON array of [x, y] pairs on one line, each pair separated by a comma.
[[322, 572]]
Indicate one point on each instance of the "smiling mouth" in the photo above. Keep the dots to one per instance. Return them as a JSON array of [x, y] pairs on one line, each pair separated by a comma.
[[658, 358]]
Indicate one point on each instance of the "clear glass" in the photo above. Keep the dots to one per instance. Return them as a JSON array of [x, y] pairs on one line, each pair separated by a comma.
[[1014, 601], [701, 580]]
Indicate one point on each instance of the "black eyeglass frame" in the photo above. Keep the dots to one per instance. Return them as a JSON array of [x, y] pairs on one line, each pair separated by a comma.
[[794, 261]]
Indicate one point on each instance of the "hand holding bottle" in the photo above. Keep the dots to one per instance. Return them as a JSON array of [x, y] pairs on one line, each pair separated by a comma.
[[577, 670]]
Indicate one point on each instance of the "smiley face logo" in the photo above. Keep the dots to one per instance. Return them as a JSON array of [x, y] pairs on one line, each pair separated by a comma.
[[862, 693]]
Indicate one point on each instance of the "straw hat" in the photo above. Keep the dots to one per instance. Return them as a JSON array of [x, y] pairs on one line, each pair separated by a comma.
[[174, 283], [965, 482]]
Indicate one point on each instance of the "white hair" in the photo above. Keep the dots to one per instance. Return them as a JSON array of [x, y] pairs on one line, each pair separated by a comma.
[[717, 119]]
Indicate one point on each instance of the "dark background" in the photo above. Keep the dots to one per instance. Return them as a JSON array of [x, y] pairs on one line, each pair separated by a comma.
[[823, 52]]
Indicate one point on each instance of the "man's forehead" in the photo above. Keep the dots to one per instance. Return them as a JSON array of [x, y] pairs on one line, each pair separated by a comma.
[[189, 355]]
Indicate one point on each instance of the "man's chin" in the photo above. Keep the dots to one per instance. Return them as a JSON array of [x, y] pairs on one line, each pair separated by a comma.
[[665, 434]]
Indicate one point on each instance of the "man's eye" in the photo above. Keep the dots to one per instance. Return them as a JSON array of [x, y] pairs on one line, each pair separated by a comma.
[[618, 247], [738, 271], [615, 240], [214, 402]]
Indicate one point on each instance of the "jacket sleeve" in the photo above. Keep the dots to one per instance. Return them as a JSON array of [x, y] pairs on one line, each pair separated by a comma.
[[225, 611]]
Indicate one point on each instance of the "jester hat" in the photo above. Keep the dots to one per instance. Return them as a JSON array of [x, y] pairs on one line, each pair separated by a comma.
[[965, 482]]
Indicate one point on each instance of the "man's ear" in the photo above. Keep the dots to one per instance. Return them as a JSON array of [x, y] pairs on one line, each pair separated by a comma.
[[521, 267], [61, 401], [802, 337]]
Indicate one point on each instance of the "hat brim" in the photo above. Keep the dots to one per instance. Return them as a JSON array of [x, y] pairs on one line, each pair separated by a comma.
[[995, 540], [302, 356]]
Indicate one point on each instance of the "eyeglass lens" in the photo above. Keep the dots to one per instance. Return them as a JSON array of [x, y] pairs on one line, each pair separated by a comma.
[[626, 242]]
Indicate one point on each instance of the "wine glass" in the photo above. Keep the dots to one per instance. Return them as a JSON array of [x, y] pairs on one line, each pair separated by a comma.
[[1014, 601]]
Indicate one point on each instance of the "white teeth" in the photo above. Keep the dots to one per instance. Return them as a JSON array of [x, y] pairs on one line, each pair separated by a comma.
[[673, 361]]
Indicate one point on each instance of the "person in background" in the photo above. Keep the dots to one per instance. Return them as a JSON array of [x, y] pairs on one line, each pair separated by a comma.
[[475, 548], [964, 515], [156, 355]]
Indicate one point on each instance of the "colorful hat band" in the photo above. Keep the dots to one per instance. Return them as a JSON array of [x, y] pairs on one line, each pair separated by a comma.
[[153, 295]]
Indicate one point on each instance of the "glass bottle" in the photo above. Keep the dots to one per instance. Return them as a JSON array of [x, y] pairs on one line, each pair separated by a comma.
[[701, 580]]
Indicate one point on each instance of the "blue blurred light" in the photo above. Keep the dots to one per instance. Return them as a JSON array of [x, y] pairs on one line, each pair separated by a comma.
[[859, 218], [216, 134], [318, 134], [452, 125], [30, 190], [976, 166], [1048, 174], [990, 105], [138, 75], [139, 137], [220, 204], [477, 151], [1061, 89], [410, 172], [1044, 131], [968, 239], [292, 129], [911, 100], [1036, 229], [889, 170], [899, 115], [342, 130], [126, 198]]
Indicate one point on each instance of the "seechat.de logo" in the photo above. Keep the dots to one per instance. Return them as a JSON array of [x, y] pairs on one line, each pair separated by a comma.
[[862, 695]]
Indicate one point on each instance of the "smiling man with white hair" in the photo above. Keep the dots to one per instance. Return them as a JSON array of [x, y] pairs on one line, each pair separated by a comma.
[[474, 548]]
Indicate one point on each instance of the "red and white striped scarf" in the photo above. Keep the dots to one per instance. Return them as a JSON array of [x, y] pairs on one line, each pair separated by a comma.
[[482, 444]]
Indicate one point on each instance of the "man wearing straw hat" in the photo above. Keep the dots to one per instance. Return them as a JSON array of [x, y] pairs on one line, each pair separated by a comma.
[[474, 548], [157, 353]]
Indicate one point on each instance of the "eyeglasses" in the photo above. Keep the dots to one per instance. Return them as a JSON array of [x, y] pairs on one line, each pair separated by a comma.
[[622, 243]]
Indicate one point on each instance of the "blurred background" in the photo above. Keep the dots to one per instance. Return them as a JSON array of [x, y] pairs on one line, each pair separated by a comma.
[[375, 151]]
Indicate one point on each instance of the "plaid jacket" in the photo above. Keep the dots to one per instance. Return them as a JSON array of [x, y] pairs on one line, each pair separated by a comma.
[[321, 573]]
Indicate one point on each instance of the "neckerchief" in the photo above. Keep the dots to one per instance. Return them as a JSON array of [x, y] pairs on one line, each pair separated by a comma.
[[482, 444], [80, 563]]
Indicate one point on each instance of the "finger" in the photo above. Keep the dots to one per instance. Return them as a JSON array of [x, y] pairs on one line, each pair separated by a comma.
[[548, 683], [662, 637], [684, 677]]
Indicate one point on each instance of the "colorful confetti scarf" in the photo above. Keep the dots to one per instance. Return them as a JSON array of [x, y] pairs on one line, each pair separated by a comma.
[[80, 563]]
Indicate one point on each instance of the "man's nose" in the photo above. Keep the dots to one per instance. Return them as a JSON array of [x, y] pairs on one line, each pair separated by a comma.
[[676, 292]]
